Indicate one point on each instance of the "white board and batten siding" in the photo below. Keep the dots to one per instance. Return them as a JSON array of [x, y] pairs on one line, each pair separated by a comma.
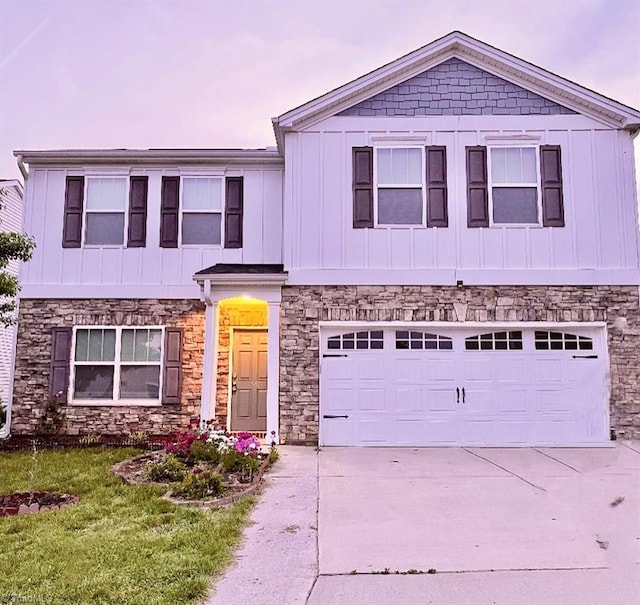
[[10, 220], [152, 271], [599, 243]]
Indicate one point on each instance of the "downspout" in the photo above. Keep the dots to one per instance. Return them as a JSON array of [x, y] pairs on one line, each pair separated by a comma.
[[23, 169]]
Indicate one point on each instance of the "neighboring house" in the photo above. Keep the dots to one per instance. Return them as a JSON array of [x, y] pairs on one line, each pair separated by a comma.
[[441, 252], [10, 220]]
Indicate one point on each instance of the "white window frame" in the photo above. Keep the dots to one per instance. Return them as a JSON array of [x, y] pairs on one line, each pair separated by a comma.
[[223, 203], [116, 363], [86, 211], [399, 145], [491, 185]]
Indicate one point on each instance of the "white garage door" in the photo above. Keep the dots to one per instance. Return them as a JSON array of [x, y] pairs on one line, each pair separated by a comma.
[[405, 386]]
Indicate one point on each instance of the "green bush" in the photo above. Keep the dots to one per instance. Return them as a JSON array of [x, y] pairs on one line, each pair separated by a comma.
[[170, 470], [199, 484], [273, 456], [232, 461], [206, 452]]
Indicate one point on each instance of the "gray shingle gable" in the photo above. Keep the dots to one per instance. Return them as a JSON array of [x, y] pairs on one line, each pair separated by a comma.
[[455, 88]]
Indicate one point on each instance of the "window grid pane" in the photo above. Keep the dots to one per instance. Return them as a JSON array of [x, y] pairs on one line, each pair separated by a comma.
[[561, 341], [495, 341], [363, 340]]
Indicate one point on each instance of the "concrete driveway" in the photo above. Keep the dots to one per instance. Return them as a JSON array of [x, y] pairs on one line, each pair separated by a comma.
[[499, 526]]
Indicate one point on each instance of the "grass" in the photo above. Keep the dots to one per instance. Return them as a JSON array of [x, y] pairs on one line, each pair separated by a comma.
[[120, 545]]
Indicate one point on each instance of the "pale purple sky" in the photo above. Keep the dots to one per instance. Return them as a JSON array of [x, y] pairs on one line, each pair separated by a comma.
[[148, 73]]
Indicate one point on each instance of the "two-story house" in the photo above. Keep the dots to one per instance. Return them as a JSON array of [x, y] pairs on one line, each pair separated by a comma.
[[442, 252]]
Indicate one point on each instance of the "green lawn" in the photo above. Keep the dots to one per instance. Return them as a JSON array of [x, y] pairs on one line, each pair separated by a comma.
[[120, 544]]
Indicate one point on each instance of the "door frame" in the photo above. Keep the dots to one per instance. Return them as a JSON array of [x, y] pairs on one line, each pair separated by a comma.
[[600, 338], [232, 331]]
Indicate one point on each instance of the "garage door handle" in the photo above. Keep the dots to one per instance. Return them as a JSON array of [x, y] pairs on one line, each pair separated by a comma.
[[334, 355], [332, 416], [462, 394], [457, 394], [585, 356]]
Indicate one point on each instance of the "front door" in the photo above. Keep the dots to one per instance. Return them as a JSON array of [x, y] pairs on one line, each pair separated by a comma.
[[249, 381]]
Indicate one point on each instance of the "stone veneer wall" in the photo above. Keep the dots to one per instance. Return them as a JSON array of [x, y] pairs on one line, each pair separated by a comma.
[[233, 313], [304, 306], [33, 358]]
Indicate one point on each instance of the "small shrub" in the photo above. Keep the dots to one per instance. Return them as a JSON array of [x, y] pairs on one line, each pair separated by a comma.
[[199, 484], [171, 470], [92, 438], [273, 455], [203, 451], [248, 469], [232, 461], [53, 419], [138, 438]]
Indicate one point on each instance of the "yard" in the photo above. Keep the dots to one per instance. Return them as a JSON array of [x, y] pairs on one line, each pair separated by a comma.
[[121, 544]]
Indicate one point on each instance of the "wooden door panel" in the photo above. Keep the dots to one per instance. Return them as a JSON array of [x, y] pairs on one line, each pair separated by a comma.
[[249, 381]]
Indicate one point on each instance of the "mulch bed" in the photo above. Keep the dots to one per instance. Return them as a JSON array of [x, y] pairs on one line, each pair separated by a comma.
[[134, 471], [28, 503]]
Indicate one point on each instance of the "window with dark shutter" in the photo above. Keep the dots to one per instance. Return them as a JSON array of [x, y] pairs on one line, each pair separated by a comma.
[[137, 237], [436, 169], [233, 212], [477, 188], [73, 206], [362, 187], [551, 173], [169, 207], [172, 371], [60, 363]]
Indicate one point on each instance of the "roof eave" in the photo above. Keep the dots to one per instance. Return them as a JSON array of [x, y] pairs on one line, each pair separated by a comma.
[[151, 157], [457, 44]]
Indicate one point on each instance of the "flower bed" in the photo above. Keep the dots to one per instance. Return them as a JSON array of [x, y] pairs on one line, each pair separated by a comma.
[[27, 503], [207, 466]]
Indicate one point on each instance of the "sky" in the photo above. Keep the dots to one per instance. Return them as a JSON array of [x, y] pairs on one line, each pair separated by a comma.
[[212, 74]]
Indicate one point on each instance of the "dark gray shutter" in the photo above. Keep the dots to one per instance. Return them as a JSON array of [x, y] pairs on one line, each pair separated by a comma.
[[138, 189], [60, 361], [477, 187], [233, 209], [172, 371], [169, 208], [73, 203], [437, 214], [551, 173], [362, 187]]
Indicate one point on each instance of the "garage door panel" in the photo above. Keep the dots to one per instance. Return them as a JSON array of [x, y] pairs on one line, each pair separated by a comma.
[[370, 367], [440, 370], [372, 431], [478, 369], [513, 396], [372, 400], [513, 400], [442, 400], [409, 399]]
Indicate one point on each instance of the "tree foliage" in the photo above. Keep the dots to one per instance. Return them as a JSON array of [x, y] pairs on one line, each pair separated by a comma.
[[13, 246]]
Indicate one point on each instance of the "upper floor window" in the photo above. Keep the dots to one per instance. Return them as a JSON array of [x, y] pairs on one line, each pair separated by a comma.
[[201, 211], [400, 185], [105, 211], [514, 185]]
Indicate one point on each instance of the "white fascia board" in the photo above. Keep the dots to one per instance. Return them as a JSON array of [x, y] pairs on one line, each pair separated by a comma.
[[492, 60], [241, 279], [152, 157]]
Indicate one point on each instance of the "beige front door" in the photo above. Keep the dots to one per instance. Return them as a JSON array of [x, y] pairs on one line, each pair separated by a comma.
[[249, 381]]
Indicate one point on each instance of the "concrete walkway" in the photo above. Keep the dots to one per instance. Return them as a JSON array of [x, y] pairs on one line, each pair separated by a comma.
[[277, 562], [549, 526]]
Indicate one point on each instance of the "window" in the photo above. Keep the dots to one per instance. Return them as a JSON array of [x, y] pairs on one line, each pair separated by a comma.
[[372, 339], [561, 341], [422, 340], [106, 202], [400, 185], [514, 185], [494, 341], [117, 364], [201, 211]]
